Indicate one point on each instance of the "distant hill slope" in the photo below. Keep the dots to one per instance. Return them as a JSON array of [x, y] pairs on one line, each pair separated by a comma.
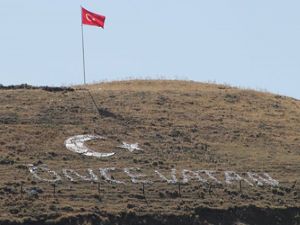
[[182, 129]]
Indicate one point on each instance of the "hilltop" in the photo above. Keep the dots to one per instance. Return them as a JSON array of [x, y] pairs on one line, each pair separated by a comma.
[[178, 126]]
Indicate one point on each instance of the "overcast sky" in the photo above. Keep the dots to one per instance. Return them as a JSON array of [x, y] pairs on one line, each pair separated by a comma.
[[252, 44]]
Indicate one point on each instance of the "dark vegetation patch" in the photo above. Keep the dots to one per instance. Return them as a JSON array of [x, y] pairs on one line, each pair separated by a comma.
[[30, 87], [239, 215]]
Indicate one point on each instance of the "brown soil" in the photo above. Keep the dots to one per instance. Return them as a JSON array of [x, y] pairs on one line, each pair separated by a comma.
[[182, 125]]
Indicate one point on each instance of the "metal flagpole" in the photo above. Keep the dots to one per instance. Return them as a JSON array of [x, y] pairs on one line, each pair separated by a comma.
[[83, 57]]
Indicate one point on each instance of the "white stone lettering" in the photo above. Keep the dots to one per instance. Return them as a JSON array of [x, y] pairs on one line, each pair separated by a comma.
[[231, 176], [105, 174], [210, 173], [91, 176], [135, 177], [173, 179], [187, 175], [34, 171], [260, 181]]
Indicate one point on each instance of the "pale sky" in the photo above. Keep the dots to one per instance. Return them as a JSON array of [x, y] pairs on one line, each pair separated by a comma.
[[251, 44]]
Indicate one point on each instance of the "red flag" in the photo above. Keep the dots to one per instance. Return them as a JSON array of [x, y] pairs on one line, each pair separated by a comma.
[[89, 18]]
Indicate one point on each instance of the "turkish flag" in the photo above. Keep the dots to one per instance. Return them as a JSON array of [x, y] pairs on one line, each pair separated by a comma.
[[93, 19]]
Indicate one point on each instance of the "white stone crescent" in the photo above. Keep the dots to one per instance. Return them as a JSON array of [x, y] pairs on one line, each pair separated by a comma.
[[76, 144]]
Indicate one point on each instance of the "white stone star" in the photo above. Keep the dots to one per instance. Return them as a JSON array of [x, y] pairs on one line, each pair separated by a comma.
[[130, 147]]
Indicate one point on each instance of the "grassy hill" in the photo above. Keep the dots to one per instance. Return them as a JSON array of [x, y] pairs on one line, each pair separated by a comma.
[[178, 125]]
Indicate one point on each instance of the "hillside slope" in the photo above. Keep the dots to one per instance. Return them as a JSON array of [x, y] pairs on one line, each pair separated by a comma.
[[207, 154]]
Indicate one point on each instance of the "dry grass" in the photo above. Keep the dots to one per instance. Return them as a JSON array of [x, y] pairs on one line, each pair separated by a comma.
[[245, 131]]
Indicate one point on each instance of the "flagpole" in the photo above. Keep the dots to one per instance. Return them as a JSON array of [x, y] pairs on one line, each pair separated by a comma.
[[82, 41]]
